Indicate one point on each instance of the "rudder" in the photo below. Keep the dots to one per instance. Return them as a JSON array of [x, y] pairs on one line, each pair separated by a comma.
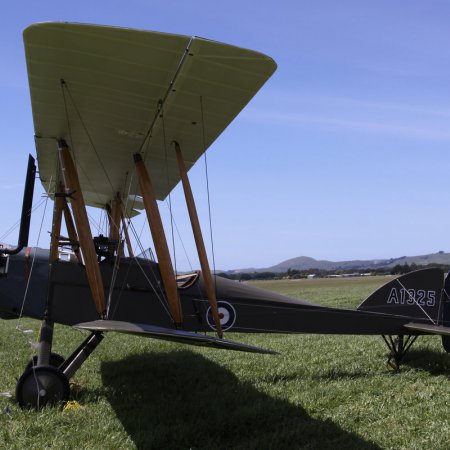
[[415, 295]]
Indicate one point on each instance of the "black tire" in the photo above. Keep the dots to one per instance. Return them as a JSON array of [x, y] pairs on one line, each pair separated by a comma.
[[55, 361], [446, 343], [41, 386]]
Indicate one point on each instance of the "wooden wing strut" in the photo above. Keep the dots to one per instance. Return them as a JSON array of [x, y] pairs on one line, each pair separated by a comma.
[[56, 227], [73, 189], [114, 215], [159, 240], [72, 231], [127, 236], [207, 278]]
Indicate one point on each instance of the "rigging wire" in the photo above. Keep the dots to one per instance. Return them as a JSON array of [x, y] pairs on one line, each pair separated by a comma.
[[19, 321], [160, 298], [13, 227], [72, 145], [137, 237], [169, 89], [102, 212], [168, 189], [118, 251], [92, 220], [181, 241], [148, 135], [200, 294], [159, 295], [64, 84], [147, 138], [208, 194], [143, 251]]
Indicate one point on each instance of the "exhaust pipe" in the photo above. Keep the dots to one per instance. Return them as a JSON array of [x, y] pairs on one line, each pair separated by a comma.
[[27, 204]]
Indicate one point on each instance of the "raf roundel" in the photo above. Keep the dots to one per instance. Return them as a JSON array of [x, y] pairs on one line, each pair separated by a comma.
[[227, 315]]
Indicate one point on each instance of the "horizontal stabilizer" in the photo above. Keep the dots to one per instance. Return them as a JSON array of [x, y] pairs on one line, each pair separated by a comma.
[[429, 329], [168, 334]]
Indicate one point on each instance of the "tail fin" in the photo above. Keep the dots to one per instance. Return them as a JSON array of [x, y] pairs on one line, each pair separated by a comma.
[[416, 295]]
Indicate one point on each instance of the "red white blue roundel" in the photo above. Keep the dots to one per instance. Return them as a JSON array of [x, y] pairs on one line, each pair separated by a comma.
[[227, 315]]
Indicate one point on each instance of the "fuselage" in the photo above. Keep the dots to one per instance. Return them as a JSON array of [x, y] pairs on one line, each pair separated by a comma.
[[135, 293]]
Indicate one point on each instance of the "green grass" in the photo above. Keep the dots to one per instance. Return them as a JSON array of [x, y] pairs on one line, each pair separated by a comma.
[[322, 392]]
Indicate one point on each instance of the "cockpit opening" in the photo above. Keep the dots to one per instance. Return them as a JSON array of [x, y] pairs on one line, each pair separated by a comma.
[[186, 280]]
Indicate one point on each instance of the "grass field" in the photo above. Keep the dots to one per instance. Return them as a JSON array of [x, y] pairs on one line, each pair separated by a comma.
[[322, 392]]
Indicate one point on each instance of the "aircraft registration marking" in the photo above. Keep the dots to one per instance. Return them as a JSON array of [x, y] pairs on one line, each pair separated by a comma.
[[411, 297]]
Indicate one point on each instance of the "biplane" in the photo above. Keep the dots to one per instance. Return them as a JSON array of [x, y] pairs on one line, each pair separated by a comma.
[[120, 117]]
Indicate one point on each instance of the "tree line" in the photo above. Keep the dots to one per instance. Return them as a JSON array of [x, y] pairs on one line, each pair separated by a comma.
[[294, 274]]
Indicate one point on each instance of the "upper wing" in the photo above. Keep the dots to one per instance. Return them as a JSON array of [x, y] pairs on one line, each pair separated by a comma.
[[118, 84]]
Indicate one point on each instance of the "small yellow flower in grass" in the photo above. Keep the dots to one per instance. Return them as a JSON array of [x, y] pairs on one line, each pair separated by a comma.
[[72, 406]]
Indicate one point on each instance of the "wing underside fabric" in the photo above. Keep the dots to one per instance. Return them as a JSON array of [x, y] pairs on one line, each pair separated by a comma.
[[167, 334], [428, 329], [126, 91]]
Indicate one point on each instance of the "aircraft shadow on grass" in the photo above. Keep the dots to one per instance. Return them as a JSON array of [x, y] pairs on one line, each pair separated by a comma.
[[432, 361], [183, 400], [337, 374]]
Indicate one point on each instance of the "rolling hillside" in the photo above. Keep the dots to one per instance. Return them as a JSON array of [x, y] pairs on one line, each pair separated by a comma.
[[306, 262]]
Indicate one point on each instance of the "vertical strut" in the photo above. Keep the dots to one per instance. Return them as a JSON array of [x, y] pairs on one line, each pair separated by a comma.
[[127, 237], [196, 230], [56, 226], [159, 240], [44, 347], [114, 222], [73, 188], [72, 231], [398, 348]]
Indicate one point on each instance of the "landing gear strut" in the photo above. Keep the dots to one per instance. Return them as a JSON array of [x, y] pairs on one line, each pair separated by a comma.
[[55, 361], [398, 347], [45, 380]]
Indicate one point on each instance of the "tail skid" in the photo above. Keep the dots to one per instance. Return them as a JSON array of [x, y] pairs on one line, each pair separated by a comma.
[[420, 296]]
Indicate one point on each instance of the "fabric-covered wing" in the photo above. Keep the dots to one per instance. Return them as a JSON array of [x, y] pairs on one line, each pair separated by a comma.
[[167, 334], [118, 85], [428, 328]]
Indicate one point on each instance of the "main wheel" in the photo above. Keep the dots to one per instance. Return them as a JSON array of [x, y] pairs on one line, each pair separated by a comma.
[[40, 386], [55, 361]]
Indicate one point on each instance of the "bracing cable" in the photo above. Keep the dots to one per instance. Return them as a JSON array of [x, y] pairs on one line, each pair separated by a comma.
[[208, 193], [168, 189]]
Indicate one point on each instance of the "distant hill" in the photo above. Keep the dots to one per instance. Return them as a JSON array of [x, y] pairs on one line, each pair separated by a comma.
[[306, 262]]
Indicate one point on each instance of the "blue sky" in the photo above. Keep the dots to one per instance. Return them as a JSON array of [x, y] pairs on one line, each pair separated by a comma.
[[343, 154]]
